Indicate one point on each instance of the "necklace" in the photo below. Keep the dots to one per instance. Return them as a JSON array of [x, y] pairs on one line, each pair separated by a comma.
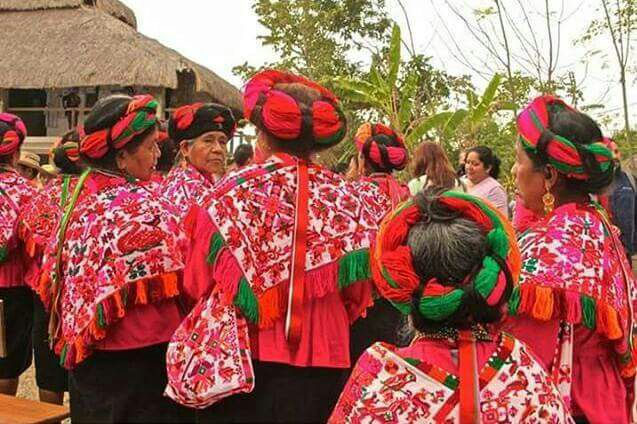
[[448, 333]]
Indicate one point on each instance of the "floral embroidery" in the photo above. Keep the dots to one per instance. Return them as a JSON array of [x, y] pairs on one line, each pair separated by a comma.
[[122, 247], [184, 187], [208, 357], [15, 195], [254, 212], [513, 388], [570, 259], [39, 219]]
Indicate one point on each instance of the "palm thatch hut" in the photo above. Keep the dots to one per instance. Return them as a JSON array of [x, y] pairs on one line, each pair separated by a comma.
[[59, 56]]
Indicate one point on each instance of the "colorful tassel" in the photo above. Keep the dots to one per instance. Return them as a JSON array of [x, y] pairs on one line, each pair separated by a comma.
[[247, 302], [216, 243], [353, 267]]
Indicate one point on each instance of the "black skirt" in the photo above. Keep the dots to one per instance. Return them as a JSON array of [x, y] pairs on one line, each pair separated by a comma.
[[49, 374], [282, 394], [18, 319], [124, 386]]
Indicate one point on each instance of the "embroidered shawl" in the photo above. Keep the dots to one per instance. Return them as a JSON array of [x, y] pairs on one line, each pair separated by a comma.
[[185, 186], [122, 247], [255, 210], [386, 387], [39, 219], [573, 269], [15, 194], [396, 191]]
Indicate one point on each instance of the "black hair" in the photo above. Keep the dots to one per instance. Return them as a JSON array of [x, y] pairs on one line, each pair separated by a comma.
[[168, 152], [242, 154], [61, 159], [105, 114], [451, 248], [580, 129], [488, 158]]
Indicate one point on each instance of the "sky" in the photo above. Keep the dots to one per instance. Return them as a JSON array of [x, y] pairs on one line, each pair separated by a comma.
[[221, 34]]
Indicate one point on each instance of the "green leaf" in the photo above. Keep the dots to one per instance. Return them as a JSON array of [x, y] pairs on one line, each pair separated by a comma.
[[454, 121], [487, 100], [428, 124], [394, 56]]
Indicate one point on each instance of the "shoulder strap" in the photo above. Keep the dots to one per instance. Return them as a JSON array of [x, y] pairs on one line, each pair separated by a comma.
[[56, 278]]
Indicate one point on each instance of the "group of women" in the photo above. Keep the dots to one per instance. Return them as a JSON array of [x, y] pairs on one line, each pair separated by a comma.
[[283, 292]]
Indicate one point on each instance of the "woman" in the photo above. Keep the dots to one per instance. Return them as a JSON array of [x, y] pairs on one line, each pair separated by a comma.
[[450, 261], [15, 194], [381, 152], [35, 229], [574, 303], [431, 168], [112, 272], [285, 241], [202, 131], [482, 171]]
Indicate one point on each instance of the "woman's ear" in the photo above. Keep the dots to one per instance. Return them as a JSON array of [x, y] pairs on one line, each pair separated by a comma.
[[121, 157], [184, 148], [550, 176]]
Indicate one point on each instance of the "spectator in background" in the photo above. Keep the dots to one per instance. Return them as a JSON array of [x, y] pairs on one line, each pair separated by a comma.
[[622, 202], [243, 156], [462, 159], [431, 168], [29, 167], [483, 169]]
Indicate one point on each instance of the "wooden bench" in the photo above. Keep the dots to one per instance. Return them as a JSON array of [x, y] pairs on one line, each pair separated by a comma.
[[15, 410]]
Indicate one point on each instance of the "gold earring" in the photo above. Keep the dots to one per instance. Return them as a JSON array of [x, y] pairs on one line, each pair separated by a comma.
[[549, 202]]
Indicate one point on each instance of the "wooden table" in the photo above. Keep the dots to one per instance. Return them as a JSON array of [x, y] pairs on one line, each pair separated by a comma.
[[15, 410]]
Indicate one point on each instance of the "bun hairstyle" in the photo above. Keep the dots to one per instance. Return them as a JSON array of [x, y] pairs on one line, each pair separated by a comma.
[[448, 256], [488, 158], [384, 150], [114, 123], [298, 115], [553, 133], [12, 135], [191, 121], [66, 154]]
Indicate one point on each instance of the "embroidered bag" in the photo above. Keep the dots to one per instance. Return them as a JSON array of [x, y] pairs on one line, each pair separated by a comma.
[[208, 357]]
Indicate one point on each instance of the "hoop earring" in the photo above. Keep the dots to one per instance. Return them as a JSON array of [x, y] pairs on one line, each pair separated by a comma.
[[549, 202]]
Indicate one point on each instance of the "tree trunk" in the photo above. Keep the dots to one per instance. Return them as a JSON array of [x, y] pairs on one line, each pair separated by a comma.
[[622, 72]]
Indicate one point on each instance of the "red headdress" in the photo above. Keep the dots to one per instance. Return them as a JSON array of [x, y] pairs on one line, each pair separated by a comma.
[[282, 116]]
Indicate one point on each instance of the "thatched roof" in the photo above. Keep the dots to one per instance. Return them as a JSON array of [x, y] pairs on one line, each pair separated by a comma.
[[75, 43]]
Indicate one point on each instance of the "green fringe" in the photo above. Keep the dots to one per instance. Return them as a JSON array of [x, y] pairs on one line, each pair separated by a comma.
[[514, 301], [588, 311], [216, 243], [353, 267], [4, 253], [247, 301], [63, 354], [100, 316]]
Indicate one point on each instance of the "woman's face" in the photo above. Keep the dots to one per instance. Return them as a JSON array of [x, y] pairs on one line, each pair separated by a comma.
[[142, 162], [529, 181], [475, 169], [207, 152]]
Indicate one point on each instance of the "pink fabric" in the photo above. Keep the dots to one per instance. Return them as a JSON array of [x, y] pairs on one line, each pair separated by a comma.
[[491, 190], [396, 191], [326, 320], [598, 391], [523, 218], [13, 271], [143, 325]]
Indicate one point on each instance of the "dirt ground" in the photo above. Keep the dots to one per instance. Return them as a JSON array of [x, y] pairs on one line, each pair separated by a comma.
[[28, 389]]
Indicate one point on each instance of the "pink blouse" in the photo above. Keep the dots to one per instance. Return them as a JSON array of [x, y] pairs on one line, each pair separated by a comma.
[[491, 190]]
